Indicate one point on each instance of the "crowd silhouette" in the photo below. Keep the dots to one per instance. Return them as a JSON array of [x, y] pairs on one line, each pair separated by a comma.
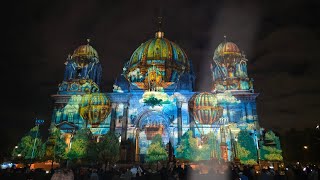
[[169, 171]]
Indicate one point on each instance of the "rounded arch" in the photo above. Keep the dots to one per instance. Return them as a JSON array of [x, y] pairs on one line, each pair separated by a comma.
[[152, 116]]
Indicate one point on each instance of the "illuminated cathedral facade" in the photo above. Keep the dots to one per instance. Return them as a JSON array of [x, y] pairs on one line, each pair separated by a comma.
[[155, 94]]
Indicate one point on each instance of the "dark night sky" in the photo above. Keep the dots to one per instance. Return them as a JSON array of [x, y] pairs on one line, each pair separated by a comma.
[[280, 38]]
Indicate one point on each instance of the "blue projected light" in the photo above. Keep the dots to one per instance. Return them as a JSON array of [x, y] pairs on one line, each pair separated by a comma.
[[39, 121], [154, 96]]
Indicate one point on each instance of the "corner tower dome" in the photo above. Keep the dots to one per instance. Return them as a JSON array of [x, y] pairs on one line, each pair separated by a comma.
[[82, 66], [227, 48], [229, 68], [84, 53], [157, 60]]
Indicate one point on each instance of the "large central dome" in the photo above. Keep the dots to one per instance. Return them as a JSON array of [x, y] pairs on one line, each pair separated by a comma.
[[157, 60]]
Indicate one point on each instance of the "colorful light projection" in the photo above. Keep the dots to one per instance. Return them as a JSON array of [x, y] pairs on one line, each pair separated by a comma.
[[79, 86], [95, 108], [153, 118], [157, 63], [205, 108], [229, 68], [83, 64], [154, 98], [161, 69], [83, 54]]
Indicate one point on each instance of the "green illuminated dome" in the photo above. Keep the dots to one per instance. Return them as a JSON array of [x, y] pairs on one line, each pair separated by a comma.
[[165, 58], [85, 51], [159, 48], [83, 54]]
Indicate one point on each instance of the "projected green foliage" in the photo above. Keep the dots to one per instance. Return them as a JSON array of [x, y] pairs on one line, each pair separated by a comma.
[[242, 152], [152, 101], [189, 149], [55, 146], [272, 151], [246, 149], [80, 144], [108, 148], [156, 151], [26, 144], [214, 147]]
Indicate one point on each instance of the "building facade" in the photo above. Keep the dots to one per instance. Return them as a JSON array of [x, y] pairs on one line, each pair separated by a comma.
[[155, 95]]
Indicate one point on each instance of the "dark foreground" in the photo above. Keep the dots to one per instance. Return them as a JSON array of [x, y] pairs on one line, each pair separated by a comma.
[[171, 173]]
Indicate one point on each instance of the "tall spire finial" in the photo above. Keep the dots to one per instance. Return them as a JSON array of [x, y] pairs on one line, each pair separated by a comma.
[[225, 38], [159, 34], [88, 41], [159, 23], [243, 55]]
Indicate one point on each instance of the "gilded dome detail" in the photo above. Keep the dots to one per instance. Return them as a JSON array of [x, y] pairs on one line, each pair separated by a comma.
[[158, 56]]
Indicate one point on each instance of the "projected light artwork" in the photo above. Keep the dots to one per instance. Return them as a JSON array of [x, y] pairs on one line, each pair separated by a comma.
[[154, 97]]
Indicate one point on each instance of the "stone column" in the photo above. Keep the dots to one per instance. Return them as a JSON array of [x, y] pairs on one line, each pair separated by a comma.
[[228, 113], [223, 144], [113, 117], [137, 149], [124, 122], [191, 123], [254, 109], [179, 119], [249, 110], [244, 111]]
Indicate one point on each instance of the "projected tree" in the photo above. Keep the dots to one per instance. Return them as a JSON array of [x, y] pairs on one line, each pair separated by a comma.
[[246, 148], [152, 101], [156, 151], [214, 148], [80, 144], [55, 145], [29, 143], [187, 149], [271, 149], [108, 148]]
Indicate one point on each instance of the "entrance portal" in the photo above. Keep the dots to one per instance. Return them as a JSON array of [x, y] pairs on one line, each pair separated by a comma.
[[150, 124]]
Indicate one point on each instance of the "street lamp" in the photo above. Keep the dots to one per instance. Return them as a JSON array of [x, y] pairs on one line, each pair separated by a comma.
[[16, 147], [305, 153], [37, 123]]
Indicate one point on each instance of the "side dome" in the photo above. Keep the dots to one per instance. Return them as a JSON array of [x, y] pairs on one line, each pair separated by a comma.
[[157, 60], [204, 107], [227, 48], [229, 68], [83, 54]]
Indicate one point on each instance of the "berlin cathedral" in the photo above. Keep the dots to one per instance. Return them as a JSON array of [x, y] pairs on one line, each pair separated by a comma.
[[154, 94]]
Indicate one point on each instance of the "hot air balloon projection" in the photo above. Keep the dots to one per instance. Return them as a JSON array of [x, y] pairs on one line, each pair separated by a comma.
[[95, 108], [205, 109]]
